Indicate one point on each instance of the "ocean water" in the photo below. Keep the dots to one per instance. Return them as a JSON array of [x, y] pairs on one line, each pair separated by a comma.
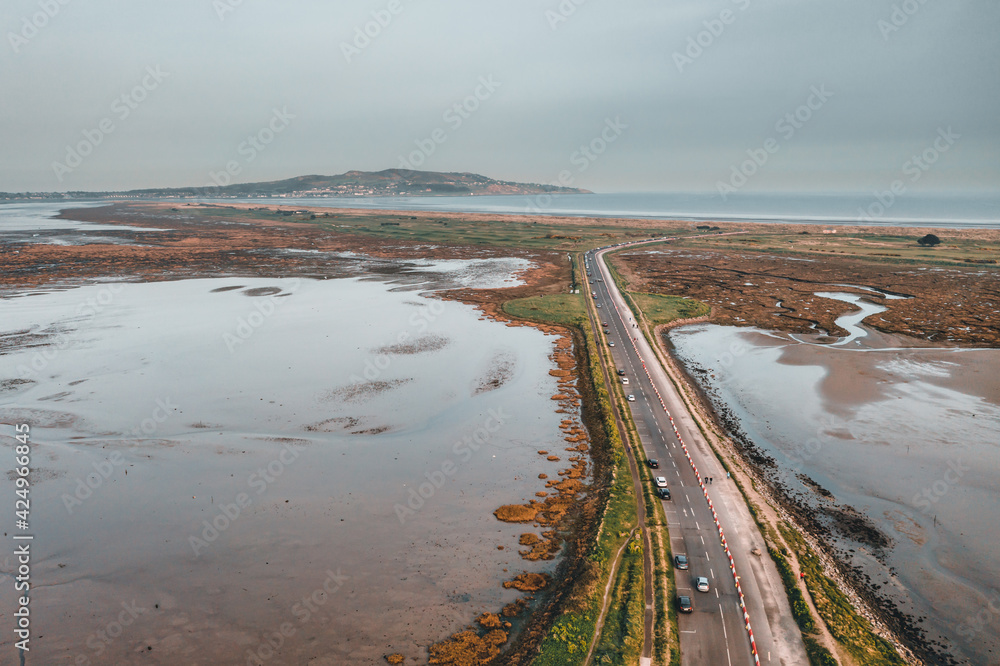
[[974, 210]]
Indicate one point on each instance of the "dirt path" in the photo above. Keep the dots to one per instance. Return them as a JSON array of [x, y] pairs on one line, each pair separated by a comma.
[[647, 550]]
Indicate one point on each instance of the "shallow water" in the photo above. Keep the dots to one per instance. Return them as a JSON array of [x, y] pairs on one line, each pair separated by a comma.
[[906, 435], [254, 444]]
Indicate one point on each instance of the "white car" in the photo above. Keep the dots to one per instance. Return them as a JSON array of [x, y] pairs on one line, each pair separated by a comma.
[[624, 380], [702, 584], [611, 344], [661, 481], [631, 398]]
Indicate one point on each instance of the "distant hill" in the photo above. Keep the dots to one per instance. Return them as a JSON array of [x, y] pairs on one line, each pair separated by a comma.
[[390, 182]]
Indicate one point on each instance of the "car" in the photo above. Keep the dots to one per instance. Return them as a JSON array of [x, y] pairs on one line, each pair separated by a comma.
[[631, 398], [591, 282], [663, 493], [702, 584], [684, 604], [611, 344], [681, 562], [653, 462], [621, 373], [604, 323], [624, 380], [598, 305], [661, 481]]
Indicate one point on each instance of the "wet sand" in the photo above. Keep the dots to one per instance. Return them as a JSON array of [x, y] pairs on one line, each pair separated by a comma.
[[333, 459], [901, 431]]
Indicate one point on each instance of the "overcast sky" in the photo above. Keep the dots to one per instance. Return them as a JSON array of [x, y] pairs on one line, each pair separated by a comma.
[[628, 79]]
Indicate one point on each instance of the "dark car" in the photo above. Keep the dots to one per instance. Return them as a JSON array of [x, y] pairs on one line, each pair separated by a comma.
[[681, 561], [621, 373], [663, 493], [654, 463], [684, 605]]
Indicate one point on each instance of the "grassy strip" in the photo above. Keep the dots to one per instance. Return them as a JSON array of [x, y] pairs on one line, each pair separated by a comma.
[[661, 309], [567, 642], [562, 309], [621, 642], [849, 629]]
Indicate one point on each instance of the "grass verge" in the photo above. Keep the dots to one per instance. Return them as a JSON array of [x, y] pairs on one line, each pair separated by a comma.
[[846, 626]]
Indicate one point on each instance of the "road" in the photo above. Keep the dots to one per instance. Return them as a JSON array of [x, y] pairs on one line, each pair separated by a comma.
[[716, 632]]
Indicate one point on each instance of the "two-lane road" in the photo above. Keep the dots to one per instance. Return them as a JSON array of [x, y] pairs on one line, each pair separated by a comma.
[[715, 633]]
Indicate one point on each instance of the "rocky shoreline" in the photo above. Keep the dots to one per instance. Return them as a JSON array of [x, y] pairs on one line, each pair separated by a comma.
[[834, 530]]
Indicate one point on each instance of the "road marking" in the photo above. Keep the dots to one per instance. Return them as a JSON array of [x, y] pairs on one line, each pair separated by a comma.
[[726, 635], [689, 632], [707, 557], [712, 571], [686, 497], [697, 526], [702, 538], [716, 593]]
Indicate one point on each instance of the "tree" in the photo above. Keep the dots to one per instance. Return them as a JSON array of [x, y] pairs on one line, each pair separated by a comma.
[[930, 240]]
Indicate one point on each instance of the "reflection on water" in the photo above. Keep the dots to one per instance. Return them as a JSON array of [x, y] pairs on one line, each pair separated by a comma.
[[908, 436], [237, 457]]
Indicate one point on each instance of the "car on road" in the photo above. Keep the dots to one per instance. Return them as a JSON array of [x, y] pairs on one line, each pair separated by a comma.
[[702, 584], [684, 604], [631, 398], [598, 305], [624, 380], [661, 481], [653, 462], [681, 562], [611, 344], [621, 373], [663, 493]]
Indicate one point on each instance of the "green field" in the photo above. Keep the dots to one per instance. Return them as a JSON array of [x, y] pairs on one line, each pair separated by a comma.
[[661, 309], [561, 309], [450, 229], [871, 246]]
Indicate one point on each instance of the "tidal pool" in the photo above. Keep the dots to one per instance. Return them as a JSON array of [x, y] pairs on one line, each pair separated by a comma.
[[908, 435], [269, 470]]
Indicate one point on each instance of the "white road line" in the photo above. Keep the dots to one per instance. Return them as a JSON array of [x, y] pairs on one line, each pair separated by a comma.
[[712, 571], [702, 538], [708, 558], [726, 635], [686, 497], [697, 526]]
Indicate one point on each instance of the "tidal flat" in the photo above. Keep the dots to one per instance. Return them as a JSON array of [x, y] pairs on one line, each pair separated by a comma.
[[902, 432], [286, 470]]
